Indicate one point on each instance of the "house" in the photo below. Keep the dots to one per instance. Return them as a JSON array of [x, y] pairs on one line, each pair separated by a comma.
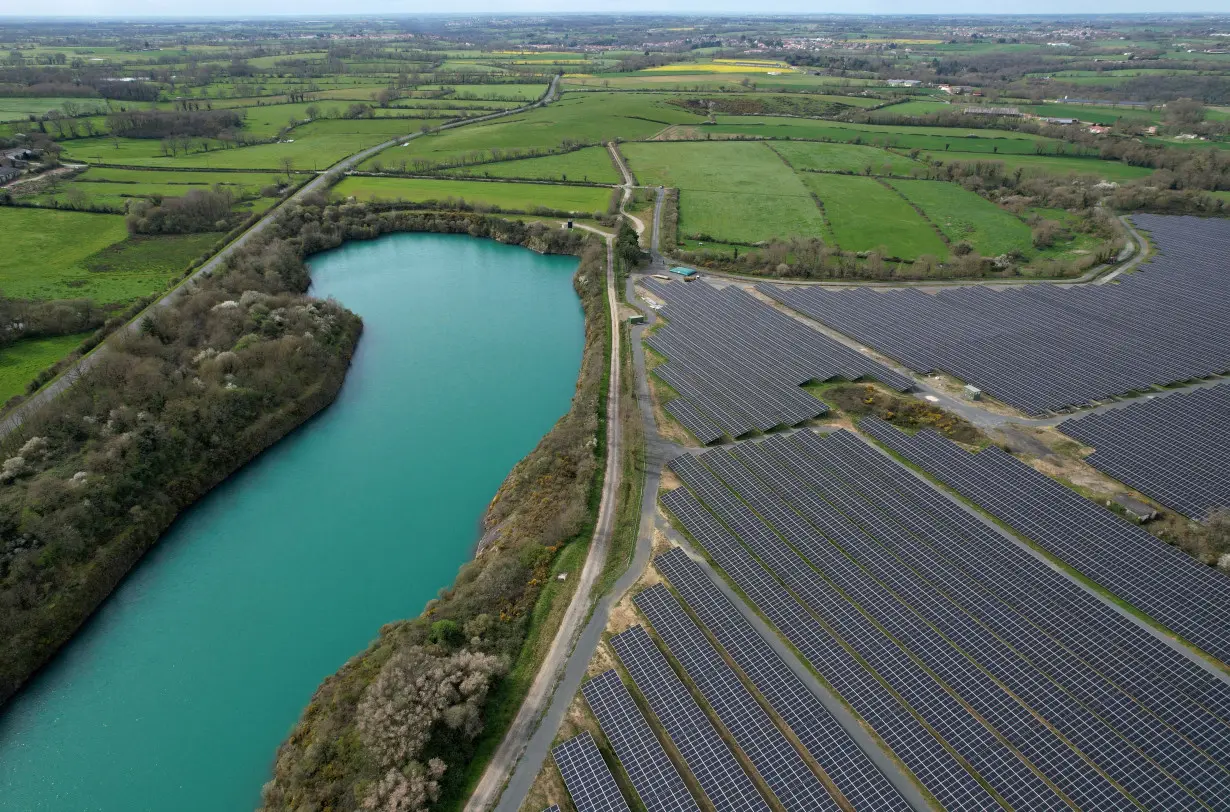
[[1134, 508]]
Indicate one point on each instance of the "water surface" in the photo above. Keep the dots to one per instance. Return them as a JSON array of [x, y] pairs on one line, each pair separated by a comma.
[[177, 693]]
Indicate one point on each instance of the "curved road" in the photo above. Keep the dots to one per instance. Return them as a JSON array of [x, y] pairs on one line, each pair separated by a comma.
[[323, 180]]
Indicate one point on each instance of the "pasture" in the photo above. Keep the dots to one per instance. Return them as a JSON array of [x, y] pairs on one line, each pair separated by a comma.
[[22, 360], [1058, 165], [587, 118], [66, 255], [111, 187], [964, 216], [506, 195], [730, 191], [824, 157], [21, 108], [589, 164], [865, 216]]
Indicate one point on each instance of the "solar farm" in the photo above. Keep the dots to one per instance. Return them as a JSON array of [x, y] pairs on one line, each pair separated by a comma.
[[992, 679], [1044, 348], [1173, 449], [1190, 599], [828, 629], [738, 364]]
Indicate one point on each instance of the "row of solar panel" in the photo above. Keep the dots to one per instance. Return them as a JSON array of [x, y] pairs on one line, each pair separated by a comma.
[[738, 363], [772, 760], [1044, 348], [963, 644], [1174, 449], [1163, 582]]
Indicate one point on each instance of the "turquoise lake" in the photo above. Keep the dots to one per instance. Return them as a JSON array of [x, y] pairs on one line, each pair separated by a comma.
[[178, 691]]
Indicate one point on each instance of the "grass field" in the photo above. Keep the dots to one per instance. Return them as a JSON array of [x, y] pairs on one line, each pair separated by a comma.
[[313, 146], [515, 196], [580, 117], [914, 108], [501, 91], [107, 186], [730, 191], [963, 215], [843, 158], [21, 361], [64, 255], [1059, 165], [592, 164], [1094, 113], [865, 216], [935, 139], [20, 108]]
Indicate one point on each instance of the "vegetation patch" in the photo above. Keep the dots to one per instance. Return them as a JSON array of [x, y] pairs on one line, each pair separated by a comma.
[[21, 361], [729, 191], [906, 413], [525, 197], [587, 165], [845, 158], [866, 216], [965, 217]]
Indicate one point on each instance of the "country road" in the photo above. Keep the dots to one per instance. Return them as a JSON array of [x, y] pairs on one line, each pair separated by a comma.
[[323, 180], [536, 701]]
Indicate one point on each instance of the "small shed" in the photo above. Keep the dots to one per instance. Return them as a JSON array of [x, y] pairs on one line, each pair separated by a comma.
[[636, 318], [972, 392], [1134, 508]]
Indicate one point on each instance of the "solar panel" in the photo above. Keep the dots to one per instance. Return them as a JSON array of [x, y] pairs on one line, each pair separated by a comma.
[[718, 772], [950, 617], [737, 363], [923, 754], [1159, 580], [589, 780], [1044, 348], [1175, 449], [653, 776], [784, 771], [850, 769]]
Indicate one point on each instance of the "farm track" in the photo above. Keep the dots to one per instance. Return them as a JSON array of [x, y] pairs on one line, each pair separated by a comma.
[[14, 419], [527, 725], [530, 753]]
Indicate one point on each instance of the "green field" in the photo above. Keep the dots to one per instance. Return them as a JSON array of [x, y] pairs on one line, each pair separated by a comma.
[[730, 191], [21, 108], [579, 117], [66, 255], [22, 360], [821, 157], [1058, 165], [865, 216], [524, 93], [900, 136], [114, 188], [512, 196], [914, 108], [313, 146], [591, 164], [964, 216]]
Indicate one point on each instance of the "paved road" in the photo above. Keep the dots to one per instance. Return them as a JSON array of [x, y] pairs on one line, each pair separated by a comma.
[[530, 715], [320, 182]]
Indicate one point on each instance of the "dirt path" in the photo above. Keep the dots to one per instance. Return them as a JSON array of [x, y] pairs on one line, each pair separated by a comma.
[[537, 700]]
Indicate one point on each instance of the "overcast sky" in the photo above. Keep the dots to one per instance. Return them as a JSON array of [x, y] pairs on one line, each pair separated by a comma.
[[301, 8]]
